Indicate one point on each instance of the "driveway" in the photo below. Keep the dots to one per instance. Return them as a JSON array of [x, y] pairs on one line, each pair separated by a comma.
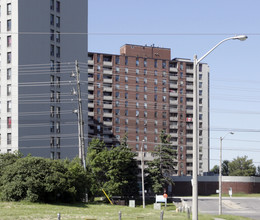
[[240, 206]]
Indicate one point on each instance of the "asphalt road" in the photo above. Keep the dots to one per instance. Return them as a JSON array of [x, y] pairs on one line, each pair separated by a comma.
[[240, 206]]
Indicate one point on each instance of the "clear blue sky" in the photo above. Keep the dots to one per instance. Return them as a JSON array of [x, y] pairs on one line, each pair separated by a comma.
[[193, 27]]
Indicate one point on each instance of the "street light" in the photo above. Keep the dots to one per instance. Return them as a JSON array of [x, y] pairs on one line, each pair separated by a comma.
[[195, 126], [142, 168], [220, 173]]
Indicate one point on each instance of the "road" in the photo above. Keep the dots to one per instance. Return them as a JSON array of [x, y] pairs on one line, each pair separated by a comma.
[[240, 206]]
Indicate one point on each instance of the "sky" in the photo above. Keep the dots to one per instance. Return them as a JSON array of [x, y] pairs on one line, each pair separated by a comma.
[[193, 27]]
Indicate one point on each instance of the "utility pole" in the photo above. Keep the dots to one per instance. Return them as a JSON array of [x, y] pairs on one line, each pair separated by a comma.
[[79, 112]]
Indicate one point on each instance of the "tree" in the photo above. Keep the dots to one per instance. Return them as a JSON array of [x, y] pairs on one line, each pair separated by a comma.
[[114, 170], [225, 168], [241, 166], [215, 169], [161, 168], [43, 180]]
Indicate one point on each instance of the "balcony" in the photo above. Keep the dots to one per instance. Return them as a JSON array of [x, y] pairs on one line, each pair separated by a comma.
[[90, 113], [189, 111], [107, 80], [173, 86], [91, 88], [90, 62], [91, 131], [108, 115], [106, 131], [108, 140], [173, 94], [173, 126], [91, 105], [189, 135], [173, 69], [90, 79], [189, 95], [108, 106], [189, 87], [107, 89], [189, 103], [189, 70], [107, 72], [174, 102], [173, 110], [107, 97], [107, 123], [90, 96], [173, 118], [90, 70], [173, 77], [107, 63]]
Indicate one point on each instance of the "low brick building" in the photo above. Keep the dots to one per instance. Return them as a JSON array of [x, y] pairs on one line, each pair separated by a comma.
[[209, 184]]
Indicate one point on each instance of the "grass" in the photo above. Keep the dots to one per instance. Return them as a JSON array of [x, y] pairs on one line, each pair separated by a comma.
[[98, 211]]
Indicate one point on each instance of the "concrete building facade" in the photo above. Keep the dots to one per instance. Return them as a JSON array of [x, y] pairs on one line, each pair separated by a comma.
[[38, 50], [141, 92]]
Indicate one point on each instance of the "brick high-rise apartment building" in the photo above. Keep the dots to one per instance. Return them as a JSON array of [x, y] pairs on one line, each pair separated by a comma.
[[143, 91]]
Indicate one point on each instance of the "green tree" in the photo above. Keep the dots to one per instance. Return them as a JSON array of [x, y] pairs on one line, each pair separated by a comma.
[[161, 168], [215, 169], [241, 166], [114, 170], [225, 168], [43, 180]]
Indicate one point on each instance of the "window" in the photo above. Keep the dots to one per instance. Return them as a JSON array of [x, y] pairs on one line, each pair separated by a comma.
[[155, 89], [9, 25], [137, 71], [145, 114], [155, 81], [9, 73], [58, 81], [57, 127], [200, 116], [52, 20], [117, 129], [117, 60], [58, 37], [200, 92], [137, 121], [137, 138], [126, 87], [137, 62], [145, 97], [9, 122], [137, 113], [58, 112], [126, 61], [164, 98], [181, 66], [9, 57], [155, 63], [9, 138], [164, 90], [58, 97], [9, 106], [137, 105], [126, 78], [52, 50], [58, 142], [117, 69], [137, 79], [145, 130], [137, 88], [9, 41], [52, 96], [117, 87], [126, 112], [52, 65], [126, 70], [155, 97], [9, 89], [117, 78], [164, 114], [52, 35], [137, 147], [137, 96], [117, 95], [145, 72], [200, 67], [117, 112], [52, 4], [57, 21], [163, 64], [200, 84], [57, 51], [145, 80], [117, 120], [58, 6], [155, 72], [117, 103], [200, 76], [145, 88], [145, 62], [52, 126], [9, 9], [126, 95], [52, 111], [126, 121], [145, 105]]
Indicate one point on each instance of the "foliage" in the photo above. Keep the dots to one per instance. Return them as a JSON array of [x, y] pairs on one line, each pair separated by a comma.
[[225, 168], [114, 170], [215, 169], [43, 180], [161, 168], [241, 166]]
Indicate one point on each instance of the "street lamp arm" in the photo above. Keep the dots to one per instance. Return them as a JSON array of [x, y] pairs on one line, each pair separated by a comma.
[[240, 37]]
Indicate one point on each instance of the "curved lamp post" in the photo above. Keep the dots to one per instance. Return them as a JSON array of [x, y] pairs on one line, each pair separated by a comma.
[[220, 173], [195, 126]]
